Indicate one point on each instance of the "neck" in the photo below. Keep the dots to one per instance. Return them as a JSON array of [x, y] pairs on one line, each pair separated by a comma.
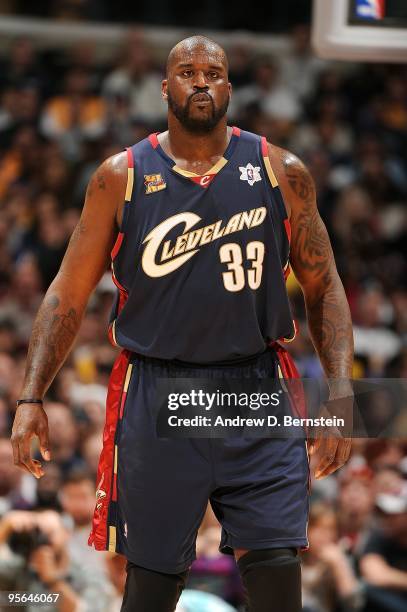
[[182, 144]]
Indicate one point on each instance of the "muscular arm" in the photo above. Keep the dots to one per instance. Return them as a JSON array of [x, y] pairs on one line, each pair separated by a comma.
[[327, 308], [61, 311], [313, 262]]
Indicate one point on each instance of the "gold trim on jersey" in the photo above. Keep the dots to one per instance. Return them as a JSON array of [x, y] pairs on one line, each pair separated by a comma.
[[114, 332], [130, 182], [112, 538], [214, 170], [128, 376], [271, 175]]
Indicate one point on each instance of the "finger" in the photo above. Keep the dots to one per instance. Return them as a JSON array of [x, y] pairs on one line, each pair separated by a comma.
[[33, 465], [314, 445], [310, 446], [329, 470], [328, 456], [344, 449], [44, 442], [16, 453], [342, 453], [16, 441]]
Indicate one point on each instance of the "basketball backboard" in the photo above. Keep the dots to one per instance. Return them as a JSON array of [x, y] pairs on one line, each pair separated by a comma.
[[368, 30]]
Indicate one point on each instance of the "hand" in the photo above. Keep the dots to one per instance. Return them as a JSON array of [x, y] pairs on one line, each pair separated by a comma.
[[30, 420], [328, 443], [43, 561], [19, 520], [330, 553]]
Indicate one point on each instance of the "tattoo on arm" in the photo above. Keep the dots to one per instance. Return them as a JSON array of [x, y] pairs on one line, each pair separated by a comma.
[[327, 308], [330, 327], [311, 248], [98, 181], [101, 180], [78, 232], [52, 336]]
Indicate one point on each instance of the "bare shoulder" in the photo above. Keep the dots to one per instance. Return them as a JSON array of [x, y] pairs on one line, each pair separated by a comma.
[[294, 179], [112, 173], [107, 187]]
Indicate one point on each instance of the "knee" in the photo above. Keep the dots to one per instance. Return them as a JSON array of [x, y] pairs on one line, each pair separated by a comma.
[[272, 579], [151, 591], [268, 558]]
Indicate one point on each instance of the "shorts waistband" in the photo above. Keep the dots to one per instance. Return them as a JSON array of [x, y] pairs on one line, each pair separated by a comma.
[[241, 362]]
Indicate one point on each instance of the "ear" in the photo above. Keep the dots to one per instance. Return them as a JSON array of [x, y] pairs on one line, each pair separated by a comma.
[[230, 90], [164, 89]]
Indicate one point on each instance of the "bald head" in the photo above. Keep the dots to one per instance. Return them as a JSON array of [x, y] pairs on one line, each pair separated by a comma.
[[196, 46], [197, 87]]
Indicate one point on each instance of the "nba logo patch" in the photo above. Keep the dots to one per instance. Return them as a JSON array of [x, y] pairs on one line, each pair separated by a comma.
[[250, 173], [154, 182], [370, 9]]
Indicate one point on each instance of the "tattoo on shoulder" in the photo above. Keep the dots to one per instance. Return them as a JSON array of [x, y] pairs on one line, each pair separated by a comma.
[[310, 243], [298, 177], [100, 178]]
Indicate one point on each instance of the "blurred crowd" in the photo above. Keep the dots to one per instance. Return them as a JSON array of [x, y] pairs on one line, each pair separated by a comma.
[[61, 115]]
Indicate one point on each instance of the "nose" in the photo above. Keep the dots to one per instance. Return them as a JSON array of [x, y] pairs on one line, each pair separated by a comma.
[[200, 81]]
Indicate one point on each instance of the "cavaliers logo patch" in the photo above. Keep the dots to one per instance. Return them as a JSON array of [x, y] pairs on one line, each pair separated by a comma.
[[154, 182]]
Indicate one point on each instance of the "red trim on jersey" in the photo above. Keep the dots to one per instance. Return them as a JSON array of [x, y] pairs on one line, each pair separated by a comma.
[[264, 147], [104, 479], [117, 245], [120, 235], [130, 160], [287, 226], [290, 373], [123, 292], [236, 131], [123, 295], [114, 487], [203, 181], [123, 401], [296, 393], [154, 140]]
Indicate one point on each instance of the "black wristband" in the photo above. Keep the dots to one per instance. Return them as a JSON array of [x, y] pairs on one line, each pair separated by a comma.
[[29, 401]]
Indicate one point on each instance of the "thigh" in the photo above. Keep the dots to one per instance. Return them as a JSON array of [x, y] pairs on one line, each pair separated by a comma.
[[163, 484], [262, 500]]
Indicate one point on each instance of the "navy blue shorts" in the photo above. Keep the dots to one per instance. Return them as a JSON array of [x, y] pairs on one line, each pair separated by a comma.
[[153, 492]]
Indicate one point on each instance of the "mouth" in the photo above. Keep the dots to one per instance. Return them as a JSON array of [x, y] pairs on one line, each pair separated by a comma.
[[201, 98]]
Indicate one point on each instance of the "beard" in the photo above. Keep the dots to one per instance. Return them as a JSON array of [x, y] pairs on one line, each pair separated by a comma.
[[193, 124]]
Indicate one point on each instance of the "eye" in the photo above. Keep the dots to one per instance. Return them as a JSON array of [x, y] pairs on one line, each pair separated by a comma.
[[213, 74], [186, 73]]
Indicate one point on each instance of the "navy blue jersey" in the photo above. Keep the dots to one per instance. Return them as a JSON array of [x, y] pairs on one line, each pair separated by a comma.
[[200, 261]]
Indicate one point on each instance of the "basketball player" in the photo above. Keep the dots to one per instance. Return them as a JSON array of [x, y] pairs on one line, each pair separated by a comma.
[[198, 221]]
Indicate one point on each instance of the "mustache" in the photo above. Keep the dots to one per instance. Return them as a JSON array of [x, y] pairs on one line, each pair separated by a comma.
[[204, 95]]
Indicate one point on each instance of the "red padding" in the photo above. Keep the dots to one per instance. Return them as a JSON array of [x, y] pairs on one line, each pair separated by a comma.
[[98, 534]]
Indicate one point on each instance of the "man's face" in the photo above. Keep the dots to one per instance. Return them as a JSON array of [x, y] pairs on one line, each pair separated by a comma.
[[197, 89]]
